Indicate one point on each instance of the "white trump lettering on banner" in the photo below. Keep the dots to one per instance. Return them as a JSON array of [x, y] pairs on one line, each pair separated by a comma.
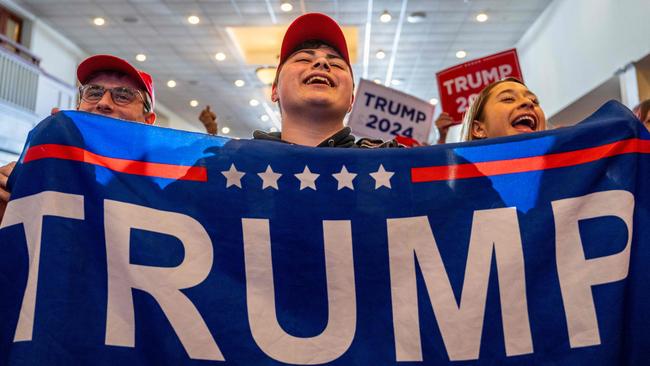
[[341, 297], [576, 273], [30, 211], [460, 325], [384, 113], [163, 283]]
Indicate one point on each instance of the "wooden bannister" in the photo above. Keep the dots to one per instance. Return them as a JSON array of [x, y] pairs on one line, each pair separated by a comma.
[[20, 50]]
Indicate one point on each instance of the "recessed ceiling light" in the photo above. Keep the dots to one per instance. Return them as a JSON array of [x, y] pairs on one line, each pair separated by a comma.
[[396, 82], [194, 103], [385, 17], [380, 54], [254, 102], [481, 17], [99, 21], [264, 117], [416, 17], [377, 81], [220, 56], [286, 6], [193, 19], [239, 83], [141, 57], [273, 129], [461, 54], [225, 130], [171, 83], [434, 101]]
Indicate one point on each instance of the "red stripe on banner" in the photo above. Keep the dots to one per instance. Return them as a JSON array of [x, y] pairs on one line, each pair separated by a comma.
[[53, 151], [530, 164]]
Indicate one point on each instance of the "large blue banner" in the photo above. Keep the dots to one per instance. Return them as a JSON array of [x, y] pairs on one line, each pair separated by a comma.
[[137, 245]]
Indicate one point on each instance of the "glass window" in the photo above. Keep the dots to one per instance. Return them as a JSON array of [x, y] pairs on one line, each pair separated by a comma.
[[10, 25]]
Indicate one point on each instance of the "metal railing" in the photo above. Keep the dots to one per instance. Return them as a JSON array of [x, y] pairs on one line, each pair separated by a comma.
[[18, 78]]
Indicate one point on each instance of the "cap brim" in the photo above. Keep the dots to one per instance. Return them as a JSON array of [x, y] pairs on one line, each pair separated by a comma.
[[314, 26]]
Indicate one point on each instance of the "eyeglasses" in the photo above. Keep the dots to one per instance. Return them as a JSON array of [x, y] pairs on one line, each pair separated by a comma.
[[121, 95]]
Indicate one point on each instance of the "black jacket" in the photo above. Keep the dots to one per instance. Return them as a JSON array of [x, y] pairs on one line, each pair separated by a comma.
[[343, 138]]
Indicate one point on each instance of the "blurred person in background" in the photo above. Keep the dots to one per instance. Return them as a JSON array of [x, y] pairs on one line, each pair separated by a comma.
[[443, 123], [110, 86], [209, 120]]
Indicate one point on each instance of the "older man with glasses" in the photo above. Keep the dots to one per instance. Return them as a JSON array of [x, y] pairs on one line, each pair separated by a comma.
[[110, 86]]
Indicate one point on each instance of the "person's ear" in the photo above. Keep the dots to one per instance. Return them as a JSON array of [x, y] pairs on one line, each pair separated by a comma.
[[351, 103], [150, 118], [274, 93], [478, 130]]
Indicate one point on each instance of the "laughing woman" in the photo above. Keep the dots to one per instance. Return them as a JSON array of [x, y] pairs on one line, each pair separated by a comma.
[[504, 108]]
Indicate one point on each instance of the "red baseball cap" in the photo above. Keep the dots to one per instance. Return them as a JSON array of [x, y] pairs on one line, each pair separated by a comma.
[[96, 63], [314, 26]]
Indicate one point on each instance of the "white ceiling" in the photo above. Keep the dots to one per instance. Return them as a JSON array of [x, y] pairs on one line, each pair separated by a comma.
[[178, 50]]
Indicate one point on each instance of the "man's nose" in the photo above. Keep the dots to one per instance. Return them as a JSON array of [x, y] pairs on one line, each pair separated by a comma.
[[106, 103], [321, 63]]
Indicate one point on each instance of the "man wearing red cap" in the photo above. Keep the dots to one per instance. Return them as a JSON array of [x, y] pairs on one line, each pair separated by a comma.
[[314, 86], [110, 86]]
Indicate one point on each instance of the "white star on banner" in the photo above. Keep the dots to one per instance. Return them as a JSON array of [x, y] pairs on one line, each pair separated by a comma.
[[233, 176], [344, 178], [382, 177], [307, 179], [269, 178]]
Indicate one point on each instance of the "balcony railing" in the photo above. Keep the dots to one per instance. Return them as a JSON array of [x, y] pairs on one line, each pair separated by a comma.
[[18, 75], [20, 50]]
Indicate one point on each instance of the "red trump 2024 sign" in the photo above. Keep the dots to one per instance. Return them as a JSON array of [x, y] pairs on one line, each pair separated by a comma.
[[460, 85]]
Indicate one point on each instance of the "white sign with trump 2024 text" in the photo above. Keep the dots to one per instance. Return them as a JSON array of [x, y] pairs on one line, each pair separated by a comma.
[[384, 113]]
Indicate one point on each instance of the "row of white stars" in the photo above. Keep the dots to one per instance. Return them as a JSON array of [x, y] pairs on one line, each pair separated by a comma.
[[307, 178]]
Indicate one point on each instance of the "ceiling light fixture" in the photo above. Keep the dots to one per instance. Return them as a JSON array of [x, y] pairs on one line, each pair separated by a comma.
[[266, 74], [253, 102], [193, 19], [380, 55], [434, 101], [385, 17], [461, 54], [286, 6], [171, 83], [264, 118], [396, 82], [99, 21], [225, 130], [194, 103], [416, 17], [377, 81], [141, 57], [220, 56], [273, 129], [482, 17], [239, 83]]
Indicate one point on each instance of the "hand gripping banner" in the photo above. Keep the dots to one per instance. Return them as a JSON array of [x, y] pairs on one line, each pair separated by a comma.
[[136, 245]]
